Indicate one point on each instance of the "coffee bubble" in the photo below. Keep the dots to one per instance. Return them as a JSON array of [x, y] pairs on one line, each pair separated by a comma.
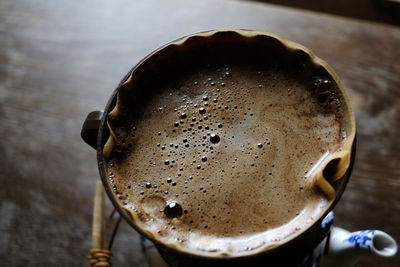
[[173, 210], [214, 139], [323, 97], [321, 84]]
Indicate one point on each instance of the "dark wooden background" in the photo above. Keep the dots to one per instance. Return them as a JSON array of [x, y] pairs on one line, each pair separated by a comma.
[[383, 11], [60, 60]]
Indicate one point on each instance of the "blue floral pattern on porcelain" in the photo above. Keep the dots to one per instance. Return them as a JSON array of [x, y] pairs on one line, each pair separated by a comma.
[[361, 238], [327, 222]]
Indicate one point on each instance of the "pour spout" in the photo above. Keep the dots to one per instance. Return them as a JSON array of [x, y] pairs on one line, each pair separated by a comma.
[[346, 248]]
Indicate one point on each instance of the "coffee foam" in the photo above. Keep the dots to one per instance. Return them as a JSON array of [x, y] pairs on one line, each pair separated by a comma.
[[217, 159]]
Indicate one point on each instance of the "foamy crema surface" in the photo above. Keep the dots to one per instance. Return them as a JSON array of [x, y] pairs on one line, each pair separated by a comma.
[[217, 158]]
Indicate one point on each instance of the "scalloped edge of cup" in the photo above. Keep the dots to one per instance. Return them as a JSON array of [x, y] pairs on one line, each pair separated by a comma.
[[343, 158]]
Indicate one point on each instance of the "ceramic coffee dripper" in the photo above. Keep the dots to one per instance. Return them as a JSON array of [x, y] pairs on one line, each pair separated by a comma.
[[305, 248]]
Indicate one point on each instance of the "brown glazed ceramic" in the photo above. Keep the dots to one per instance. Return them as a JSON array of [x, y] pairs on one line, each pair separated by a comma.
[[331, 178]]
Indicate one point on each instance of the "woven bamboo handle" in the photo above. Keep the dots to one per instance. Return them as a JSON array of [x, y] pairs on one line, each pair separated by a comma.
[[99, 256], [98, 226]]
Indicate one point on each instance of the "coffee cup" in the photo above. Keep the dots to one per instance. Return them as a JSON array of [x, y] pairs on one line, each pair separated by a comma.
[[228, 147]]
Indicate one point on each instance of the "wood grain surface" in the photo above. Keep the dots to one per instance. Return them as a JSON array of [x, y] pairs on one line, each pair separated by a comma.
[[60, 60]]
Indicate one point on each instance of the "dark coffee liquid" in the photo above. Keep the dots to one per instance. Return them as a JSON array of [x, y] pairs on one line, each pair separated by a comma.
[[217, 157]]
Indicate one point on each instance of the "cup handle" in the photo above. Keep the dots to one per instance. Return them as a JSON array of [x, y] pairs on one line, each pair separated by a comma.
[[90, 127]]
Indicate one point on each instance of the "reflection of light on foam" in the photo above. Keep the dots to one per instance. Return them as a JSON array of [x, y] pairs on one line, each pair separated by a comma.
[[321, 159]]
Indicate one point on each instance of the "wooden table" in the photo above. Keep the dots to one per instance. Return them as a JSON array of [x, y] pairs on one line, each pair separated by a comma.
[[61, 59]]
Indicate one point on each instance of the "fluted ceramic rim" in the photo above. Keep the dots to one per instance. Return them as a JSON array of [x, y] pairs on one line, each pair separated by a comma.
[[321, 182]]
